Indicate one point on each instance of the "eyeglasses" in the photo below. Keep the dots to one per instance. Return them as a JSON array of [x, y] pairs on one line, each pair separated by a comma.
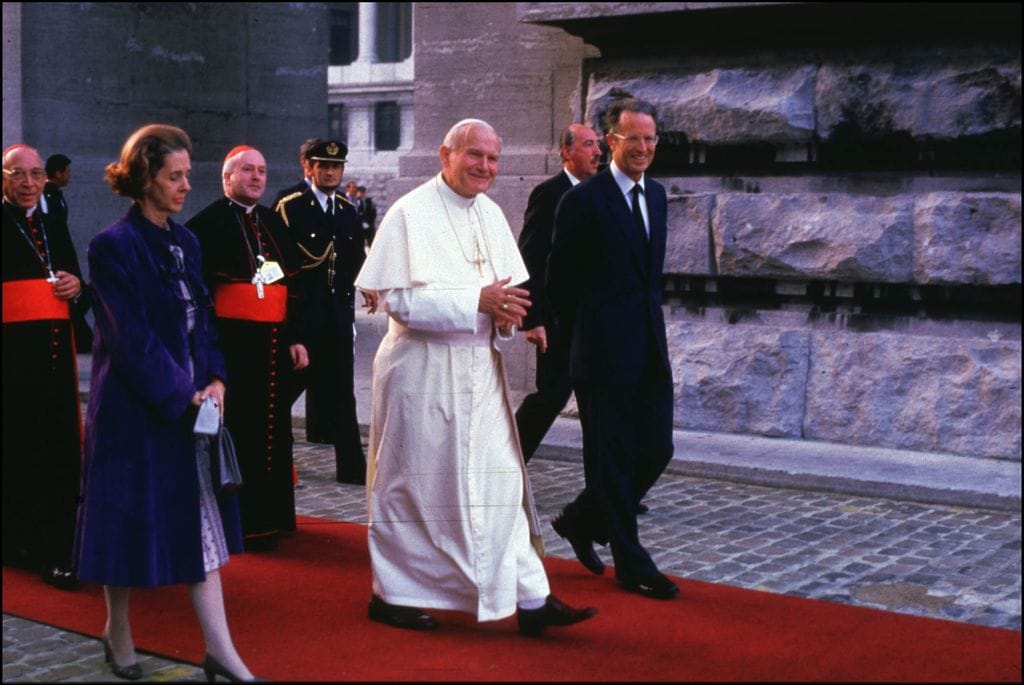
[[635, 140], [18, 175]]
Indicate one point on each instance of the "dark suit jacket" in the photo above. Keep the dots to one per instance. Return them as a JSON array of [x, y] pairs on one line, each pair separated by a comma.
[[318, 236], [535, 244], [604, 283], [56, 205]]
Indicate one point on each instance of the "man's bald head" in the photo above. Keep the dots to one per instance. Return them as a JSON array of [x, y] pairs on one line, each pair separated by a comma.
[[24, 176]]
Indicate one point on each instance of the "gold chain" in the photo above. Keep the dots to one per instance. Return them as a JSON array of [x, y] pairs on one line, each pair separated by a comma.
[[479, 261]]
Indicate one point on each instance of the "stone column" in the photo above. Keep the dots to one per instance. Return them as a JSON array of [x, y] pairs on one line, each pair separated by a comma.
[[367, 32]]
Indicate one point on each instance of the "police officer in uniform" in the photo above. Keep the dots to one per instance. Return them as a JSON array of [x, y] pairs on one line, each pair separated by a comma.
[[327, 229]]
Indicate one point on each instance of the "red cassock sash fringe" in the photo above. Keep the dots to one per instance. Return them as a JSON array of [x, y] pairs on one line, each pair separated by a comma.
[[32, 300], [239, 301]]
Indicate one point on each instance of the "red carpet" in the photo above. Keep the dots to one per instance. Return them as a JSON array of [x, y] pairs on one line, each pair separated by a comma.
[[300, 614]]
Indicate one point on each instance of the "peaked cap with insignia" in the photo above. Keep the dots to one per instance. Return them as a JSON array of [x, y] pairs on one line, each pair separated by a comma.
[[329, 151]]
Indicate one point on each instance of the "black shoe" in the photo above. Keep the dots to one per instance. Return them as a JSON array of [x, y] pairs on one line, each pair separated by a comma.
[[132, 672], [656, 588], [533, 622], [352, 478], [319, 438], [60, 577], [260, 543], [399, 616], [581, 543], [641, 509], [213, 668]]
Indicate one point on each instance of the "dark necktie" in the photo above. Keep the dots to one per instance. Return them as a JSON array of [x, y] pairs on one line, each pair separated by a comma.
[[330, 206], [638, 216]]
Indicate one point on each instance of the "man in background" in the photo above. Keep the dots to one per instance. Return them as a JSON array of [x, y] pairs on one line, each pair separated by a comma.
[[326, 227]]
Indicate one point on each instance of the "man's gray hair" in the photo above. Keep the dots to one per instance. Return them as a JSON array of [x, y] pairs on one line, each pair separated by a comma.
[[456, 135], [635, 105]]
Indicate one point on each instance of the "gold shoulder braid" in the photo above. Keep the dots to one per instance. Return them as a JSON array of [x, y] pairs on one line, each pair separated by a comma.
[[281, 209], [312, 260]]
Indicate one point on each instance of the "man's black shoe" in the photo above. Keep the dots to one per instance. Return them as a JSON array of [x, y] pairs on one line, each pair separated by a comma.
[[581, 543], [352, 478], [319, 438], [533, 622], [60, 577], [410, 618], [260, 543], [656, 588]]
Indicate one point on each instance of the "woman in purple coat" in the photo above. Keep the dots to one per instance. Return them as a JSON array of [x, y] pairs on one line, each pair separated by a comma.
[[150, 516]]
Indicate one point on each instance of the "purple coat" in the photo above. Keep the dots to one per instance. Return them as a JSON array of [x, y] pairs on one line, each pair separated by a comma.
[[139, 522]]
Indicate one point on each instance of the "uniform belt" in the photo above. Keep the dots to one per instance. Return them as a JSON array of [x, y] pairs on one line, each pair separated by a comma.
[[32, 300], [240, 301]]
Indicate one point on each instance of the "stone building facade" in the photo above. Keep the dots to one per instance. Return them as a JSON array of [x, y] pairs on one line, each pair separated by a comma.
[[845, 203], [80, 77]]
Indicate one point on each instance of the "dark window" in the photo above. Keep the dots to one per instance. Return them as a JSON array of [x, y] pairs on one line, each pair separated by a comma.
[[394, 31], [344, 32], [387, 126], [337, 125]]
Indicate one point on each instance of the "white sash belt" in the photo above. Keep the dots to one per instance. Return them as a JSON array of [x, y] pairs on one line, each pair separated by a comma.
[[482, 338]]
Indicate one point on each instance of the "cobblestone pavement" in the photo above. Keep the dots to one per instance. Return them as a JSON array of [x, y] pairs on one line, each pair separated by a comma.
[[927, 560]]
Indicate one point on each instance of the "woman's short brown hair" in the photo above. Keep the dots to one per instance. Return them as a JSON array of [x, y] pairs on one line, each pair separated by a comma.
[[143, 156]]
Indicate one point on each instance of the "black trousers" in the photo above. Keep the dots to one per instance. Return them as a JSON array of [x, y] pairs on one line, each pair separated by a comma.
[[330, 393], [627, 443], [540, 409]]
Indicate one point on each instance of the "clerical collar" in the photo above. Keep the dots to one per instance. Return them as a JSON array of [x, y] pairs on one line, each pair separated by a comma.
[[451, 196], [321, 196], [624, 182], [248, 209], [572, 179]]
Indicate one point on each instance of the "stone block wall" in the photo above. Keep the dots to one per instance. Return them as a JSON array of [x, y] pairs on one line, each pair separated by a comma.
[[844, 250]]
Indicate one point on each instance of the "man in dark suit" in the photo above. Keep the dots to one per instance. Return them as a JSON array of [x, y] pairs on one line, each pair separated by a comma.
[[604, 283], [58, 175], [580, 153], [368, 213], [326, 228], [307, 174]]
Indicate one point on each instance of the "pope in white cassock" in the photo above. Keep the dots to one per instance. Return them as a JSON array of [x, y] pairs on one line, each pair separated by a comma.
[[452, 519]]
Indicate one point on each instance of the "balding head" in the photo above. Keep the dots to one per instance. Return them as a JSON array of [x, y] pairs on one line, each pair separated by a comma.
[[245, 175], [24, 176], [580, 151]]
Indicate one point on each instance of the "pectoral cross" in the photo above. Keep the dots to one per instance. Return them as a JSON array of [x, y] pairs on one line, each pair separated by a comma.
[[257, 280], [478, 256]]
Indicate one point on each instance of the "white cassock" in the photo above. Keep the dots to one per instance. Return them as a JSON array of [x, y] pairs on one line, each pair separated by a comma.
[[452, 519]]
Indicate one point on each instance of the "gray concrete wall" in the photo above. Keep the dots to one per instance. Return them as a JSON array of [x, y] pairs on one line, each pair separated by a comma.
[[227, 73]]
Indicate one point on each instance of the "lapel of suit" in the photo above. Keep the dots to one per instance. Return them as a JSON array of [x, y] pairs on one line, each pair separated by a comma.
[[623, 219], [656, 212]]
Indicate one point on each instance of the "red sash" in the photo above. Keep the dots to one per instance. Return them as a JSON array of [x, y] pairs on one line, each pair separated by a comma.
[[32, 300], [239, 301]]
